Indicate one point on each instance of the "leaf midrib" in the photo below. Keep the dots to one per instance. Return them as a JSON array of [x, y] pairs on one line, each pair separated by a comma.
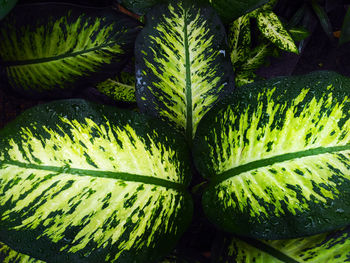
[[272, 160], [58, 57], [101, 174]]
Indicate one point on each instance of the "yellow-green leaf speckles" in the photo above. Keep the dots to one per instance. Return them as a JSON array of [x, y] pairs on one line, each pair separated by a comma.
[[272, 28], [78, 180], [181, 70], [8, 255], [57, 51], [279, 151]]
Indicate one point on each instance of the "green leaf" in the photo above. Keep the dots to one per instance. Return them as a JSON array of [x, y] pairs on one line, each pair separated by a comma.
[[272, 28], [229, 10], [7, 254], [140, 7], [239, 39], [277, 155], [244, 77], [120, 88], [181, 67], [6, 6], [257, 57], [345, 30], [333, 247], [298, 33], [48, 49], [81, 182], [323, 17]]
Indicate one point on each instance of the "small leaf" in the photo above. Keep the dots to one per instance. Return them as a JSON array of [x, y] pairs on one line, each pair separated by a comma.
[[6, 6], [323, 17], [120, 88], [327, 247], [277, 156], [239, 39], [244, 77], [81, 182], [272, 28], [345, 31], [51, 49], [257, 57], [299, 33], [181, 65]]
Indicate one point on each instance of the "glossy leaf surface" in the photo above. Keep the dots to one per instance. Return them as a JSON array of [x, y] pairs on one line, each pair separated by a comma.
[[181, 67], [332, 247], [84, 182], [277, 155], [47, 49]]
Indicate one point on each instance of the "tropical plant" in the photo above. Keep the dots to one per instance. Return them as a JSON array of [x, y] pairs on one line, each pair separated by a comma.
[[85, 182]]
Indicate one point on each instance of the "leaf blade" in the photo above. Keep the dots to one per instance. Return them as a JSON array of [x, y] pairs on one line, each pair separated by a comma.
[[180, 69], [61, 184], [294, 193]]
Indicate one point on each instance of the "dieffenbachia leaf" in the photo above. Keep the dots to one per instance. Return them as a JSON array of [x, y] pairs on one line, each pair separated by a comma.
[[55, 47], [332, 247], [272, 28], [120, 87], [81, 182], [6, 6], [256, 57], [239, 39], [244, 77], [181, 68], [277, 155], [8, 255]]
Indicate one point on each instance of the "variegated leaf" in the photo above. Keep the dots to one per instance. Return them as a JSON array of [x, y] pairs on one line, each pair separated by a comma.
[[181, 68], [8, 255], [119, 88], [6, 6], [333, 247], [81, 182], [239, 39], [256, 58], [244, 77], [277, 154], [47, 49], [272, 28]]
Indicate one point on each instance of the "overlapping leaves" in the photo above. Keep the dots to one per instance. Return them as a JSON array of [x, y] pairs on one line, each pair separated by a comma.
[[80, 181]]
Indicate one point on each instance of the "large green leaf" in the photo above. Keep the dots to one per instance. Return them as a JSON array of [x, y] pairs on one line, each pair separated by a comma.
[[181, 67], [6, 6], [345, 30], [55, 47], [333, 247], [81, 182], [277, 155]]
